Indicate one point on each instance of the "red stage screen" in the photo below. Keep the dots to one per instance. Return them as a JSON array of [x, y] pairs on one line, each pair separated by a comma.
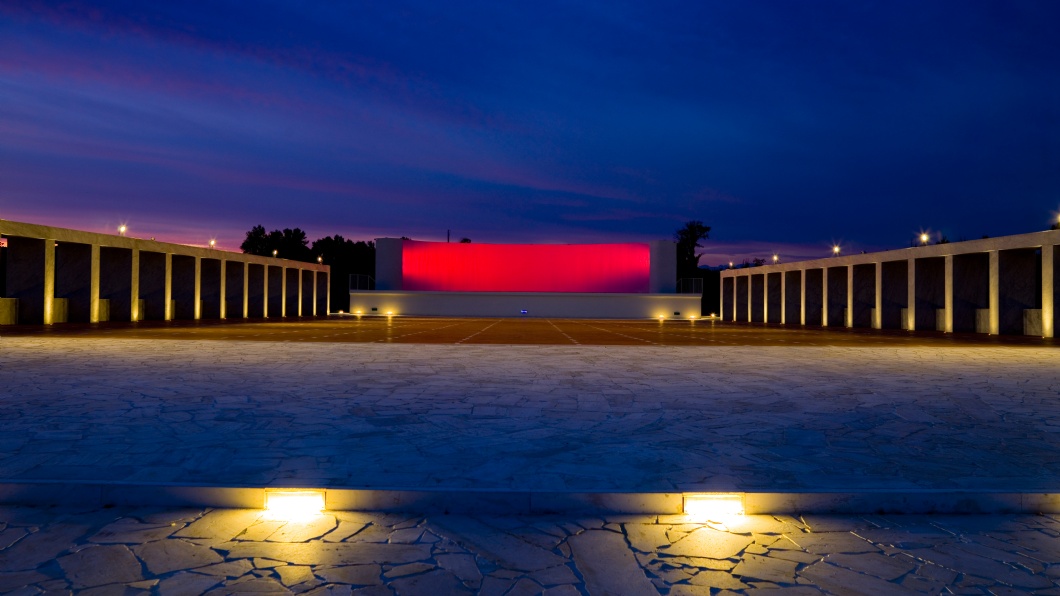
[[445, 267]]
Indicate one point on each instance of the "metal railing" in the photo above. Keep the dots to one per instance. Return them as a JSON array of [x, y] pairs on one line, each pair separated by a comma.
[[690, 285], [361, 282]]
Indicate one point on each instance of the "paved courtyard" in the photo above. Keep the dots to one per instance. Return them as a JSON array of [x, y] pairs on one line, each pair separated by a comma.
[[191, 551], [541, 405], [529, 417]]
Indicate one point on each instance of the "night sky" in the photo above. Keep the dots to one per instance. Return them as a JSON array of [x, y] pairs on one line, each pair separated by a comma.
[[784, 125]]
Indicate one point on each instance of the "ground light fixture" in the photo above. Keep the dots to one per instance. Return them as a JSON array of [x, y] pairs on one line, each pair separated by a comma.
[[717, 507], [293, 505]]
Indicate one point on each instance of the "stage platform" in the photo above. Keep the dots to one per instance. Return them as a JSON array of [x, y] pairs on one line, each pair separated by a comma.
[[569, 305]]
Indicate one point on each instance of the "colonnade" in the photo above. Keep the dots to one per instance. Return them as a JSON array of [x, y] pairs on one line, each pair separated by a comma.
[[1001, 285], [56, 275]]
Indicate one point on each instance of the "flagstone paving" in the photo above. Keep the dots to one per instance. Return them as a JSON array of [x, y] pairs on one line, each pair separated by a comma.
[[202, 551], [629, 418]]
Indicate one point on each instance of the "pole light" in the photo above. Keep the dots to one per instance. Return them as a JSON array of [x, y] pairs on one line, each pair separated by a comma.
[[924, 238], [121, 229], [776, 259], [213, 243], [275, 252], [730, 265], [835, 250], [320, 259]]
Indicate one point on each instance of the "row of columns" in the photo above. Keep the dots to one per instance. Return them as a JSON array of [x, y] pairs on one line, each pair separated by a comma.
[[48, 282], [996, 292]]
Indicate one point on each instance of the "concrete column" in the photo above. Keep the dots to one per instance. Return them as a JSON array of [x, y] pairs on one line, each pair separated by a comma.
[[299, 282], [283, 291], [783, 297], [49, 281], [765, 298], [169, 287], [995, 293], [246, 288], [265, 296], [824, 296], [93, 285], [134, 287], [735, 294], [314, 293], [802, 299], [849, 322], [877, 318], [947, 323], [750, 298], [1048, 295], [721, 298], [910, 308], [224, 283], [197, 300], [328, 294]]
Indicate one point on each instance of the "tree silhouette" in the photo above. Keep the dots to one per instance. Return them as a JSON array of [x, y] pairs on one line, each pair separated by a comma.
[[257, 242], [688, 239], [465, 241], [289, 244]]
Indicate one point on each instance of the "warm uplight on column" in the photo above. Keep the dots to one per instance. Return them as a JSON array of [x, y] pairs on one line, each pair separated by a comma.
[[121, 230], [716, 507], [293, 505]]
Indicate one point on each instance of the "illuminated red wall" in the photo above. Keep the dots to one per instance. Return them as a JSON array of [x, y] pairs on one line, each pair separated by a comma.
[[441, 266]]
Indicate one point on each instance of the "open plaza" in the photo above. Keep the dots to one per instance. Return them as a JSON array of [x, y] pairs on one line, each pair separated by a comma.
[[526, 456]]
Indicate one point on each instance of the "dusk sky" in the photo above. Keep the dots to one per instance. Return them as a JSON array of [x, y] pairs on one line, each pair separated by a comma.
[[783, 125]]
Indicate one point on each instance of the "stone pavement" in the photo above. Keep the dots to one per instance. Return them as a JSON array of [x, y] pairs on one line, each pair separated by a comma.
[[192, 551], [562, 418]]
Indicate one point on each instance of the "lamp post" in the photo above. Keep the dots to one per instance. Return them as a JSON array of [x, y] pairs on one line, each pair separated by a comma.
[[776, 259], [213, 243], [835, 250], [121, 230], [275, 252], [924, 238]]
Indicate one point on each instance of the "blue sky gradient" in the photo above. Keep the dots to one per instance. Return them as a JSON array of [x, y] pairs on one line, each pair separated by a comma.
[[784, 125]]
